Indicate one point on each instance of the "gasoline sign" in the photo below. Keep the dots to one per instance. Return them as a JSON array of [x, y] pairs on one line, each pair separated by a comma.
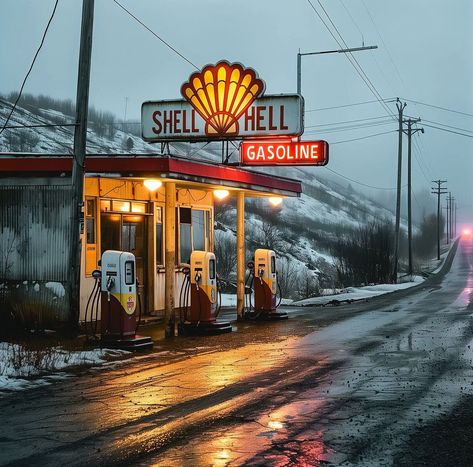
[[284, 152], [222, 101]]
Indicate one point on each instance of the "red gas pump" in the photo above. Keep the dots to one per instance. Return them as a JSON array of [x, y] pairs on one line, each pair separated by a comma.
[[199, 317], [119, 302], [263, 284]]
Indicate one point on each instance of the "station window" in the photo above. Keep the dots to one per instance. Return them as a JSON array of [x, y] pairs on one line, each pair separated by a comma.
[[194, 232], [123, 206], [90, 220], [185, 232], [105, 205], [116, 205], [159, 236], [138, 207], [90, 236]]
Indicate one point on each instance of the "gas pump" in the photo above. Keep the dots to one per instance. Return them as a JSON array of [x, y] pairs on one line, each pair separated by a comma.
[[119, 302], [263, 281], [201, 283]]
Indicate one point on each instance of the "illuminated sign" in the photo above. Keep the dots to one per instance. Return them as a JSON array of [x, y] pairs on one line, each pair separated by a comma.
[[284, 152], [221, 94], [223, 101]]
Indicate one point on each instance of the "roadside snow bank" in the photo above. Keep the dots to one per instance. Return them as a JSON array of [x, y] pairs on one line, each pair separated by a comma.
[[359, 293], [21, 368]]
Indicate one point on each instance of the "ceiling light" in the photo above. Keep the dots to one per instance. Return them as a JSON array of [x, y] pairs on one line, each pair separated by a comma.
[[152, 185], [275, 200], [221, 194]]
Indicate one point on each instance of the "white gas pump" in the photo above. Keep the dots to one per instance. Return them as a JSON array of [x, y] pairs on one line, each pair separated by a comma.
[[119, 301], [200, 317], [264, 284]]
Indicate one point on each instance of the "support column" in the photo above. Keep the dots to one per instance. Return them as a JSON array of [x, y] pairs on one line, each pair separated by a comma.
[[240, 246], [169, 258]]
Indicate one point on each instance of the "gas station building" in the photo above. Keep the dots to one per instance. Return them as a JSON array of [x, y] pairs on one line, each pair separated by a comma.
[[160, 208]]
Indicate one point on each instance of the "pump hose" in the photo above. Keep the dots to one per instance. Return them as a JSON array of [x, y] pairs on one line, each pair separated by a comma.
[[219, 297], [97, 297], [139, 306], [280, 294], [250, 304], [92, 294], [90, 308], [183, 298]]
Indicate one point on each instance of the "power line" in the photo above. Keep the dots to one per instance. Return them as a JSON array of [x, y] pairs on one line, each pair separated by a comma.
[[349, 127], [48, 125], [438, 107], [358, 182], [352, 19], [31, 67], [372, 56], [384, 45], [352, 59], [448, 131], [346, 121], [167, 44], [448, 126], [350, 105], [363, 137]]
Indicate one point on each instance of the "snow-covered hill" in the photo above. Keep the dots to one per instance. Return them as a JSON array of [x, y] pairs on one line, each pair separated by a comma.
[[306, 228]]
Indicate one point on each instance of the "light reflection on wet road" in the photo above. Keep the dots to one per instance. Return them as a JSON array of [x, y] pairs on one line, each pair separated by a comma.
[[349, 393]]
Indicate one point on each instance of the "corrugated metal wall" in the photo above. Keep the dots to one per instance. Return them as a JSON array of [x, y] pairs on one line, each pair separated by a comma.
[[34, 246]]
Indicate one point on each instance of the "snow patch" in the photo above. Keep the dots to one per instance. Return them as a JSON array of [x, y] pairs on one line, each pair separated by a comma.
[[56, 288]]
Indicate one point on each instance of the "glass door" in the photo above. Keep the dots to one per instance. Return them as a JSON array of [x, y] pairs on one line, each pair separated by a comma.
[[127, 233]]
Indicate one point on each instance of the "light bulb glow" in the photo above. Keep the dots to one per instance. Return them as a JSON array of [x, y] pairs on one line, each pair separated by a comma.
[[152, 185], [275, 200], [221, 194]]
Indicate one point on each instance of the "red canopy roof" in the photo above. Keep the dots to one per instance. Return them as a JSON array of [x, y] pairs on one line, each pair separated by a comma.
[[152, 166]]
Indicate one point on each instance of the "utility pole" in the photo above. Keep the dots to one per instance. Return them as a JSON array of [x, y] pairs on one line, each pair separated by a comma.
[[400, 108], [80, 138], [448, 216], [438, 190], [410, 131], [455, 220], [452, 225]]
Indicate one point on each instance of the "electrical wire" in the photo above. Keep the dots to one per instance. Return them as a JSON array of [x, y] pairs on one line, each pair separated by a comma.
[[348, 128], [392, 99], [31, 67], [447, 126], [448, 131], [358, 182], [346, 121], [363, 137], [372, 56], [439, 107], [384, 45], [49, 125], [167, 44], [351, 58]]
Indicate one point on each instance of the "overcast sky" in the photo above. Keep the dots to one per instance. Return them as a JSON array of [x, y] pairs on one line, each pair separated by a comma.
[[425, 54]]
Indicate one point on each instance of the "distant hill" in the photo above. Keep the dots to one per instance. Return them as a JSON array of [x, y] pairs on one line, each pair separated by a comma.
[[304, 231]]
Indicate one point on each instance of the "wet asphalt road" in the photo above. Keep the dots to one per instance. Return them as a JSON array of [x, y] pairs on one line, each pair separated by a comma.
[[386, 382]]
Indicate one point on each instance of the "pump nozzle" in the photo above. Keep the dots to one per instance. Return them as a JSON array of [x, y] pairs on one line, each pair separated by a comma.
[[110, 285], [261, 274], [198, 278]]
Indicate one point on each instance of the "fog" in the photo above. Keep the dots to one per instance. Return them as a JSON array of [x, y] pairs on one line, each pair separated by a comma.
[[424, 54]]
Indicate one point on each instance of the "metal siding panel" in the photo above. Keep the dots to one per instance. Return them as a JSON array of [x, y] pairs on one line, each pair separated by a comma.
[[34, 234], [34, 240]]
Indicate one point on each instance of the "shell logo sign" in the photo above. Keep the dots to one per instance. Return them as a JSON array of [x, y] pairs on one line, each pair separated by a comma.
[[221, 94], [222, 101]]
